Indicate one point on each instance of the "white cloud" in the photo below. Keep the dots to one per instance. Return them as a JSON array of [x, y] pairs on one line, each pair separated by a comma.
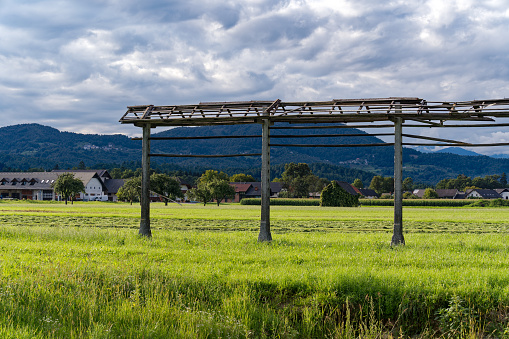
[[91, 59]]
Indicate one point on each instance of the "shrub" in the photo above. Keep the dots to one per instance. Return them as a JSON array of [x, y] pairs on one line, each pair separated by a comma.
[[409, 195], [282, 202], [489, 203], [418, 202], [334, 195], [430, 193]]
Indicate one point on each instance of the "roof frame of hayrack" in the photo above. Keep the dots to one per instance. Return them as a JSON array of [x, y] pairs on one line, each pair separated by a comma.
[[395, 109]]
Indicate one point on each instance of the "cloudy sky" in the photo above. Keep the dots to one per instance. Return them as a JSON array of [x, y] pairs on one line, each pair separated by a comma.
[[75, 65]]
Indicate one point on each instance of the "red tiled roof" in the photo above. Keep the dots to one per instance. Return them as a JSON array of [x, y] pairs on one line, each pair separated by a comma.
[[240, 187]]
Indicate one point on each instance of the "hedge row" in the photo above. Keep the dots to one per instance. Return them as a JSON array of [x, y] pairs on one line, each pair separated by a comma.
[[282, 202], [418, 202], [363, 202]]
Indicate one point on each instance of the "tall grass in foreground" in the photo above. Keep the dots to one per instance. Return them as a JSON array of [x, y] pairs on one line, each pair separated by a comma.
[[71, 282]]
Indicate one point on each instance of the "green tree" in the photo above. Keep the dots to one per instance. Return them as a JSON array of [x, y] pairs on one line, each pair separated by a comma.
[[358, 183], [220, 189], [68, 186], [479, 182], [492, 181], [503, 180], [131, 190], [212, 185], [211, 175], [388, 185], [459, 183], [128, 173], [377, 184], [316, 184], [298, 180], [241, 177], [335, 196], [408, 184], [165, 186], [201, 193], [430, 193], [116, 173], [81, 165], [409, 195]]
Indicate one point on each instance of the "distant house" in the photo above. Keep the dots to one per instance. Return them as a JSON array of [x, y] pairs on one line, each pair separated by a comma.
[[112, 187], [503, 192], [94, 181], [349, 188], [419, 193], [315, 195], [31, 186], [447, 193], [368, 193], [482, 194], [38, 185], [254, 190], [460, 195], [184, 187], [240, 190]]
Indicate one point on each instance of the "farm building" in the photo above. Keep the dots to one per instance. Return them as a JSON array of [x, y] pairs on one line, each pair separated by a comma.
[[503, 192], [368, 193], [349, 188], [482, 194], [447, 193], [38, 185], [254, 190], [184, 187]]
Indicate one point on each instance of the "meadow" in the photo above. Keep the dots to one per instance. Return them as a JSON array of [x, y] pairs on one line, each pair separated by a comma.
[[81, 271]]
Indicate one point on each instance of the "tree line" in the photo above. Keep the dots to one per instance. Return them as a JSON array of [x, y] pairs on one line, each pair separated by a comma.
[[462, 182]]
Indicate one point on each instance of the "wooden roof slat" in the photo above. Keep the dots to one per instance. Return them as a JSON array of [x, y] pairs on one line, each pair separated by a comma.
[[334, 111]]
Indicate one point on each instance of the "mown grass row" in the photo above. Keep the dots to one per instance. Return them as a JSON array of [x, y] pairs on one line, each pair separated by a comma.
[[378, 202]]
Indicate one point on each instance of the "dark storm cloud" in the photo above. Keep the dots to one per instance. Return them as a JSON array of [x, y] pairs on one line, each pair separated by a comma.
[[76, 65]]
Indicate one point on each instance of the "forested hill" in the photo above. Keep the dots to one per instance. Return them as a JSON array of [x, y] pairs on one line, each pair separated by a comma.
[[35, 146]]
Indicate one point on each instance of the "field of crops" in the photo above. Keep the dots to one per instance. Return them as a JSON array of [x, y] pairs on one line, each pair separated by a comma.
[[81, 271]]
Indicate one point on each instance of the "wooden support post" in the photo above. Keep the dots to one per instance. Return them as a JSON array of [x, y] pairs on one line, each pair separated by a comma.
[[145, 184], [265, 215], [397, 236]]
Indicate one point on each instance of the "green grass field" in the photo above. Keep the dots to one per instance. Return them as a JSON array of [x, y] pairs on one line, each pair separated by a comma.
[[81, 271]]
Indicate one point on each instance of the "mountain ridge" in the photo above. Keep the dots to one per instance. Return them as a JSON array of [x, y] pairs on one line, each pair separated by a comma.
[[33, 145]]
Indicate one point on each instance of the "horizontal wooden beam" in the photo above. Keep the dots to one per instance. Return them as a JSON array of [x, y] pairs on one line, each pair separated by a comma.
[[204, 156], [333, 126], [329, 135], [436, 139], [391, 144], [459, 126], [330, 145], [459, 145], [203, 137]]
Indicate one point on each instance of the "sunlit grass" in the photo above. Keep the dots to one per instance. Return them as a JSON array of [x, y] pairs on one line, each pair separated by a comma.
[[81, 271], [243, 212]]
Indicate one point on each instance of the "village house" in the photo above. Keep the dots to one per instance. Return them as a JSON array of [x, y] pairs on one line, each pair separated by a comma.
[[184, 188], [503, 192], [254, 190], [38, 185], [447, 193], [349, 188], [418, 193], [368, 193], [478, 193]]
